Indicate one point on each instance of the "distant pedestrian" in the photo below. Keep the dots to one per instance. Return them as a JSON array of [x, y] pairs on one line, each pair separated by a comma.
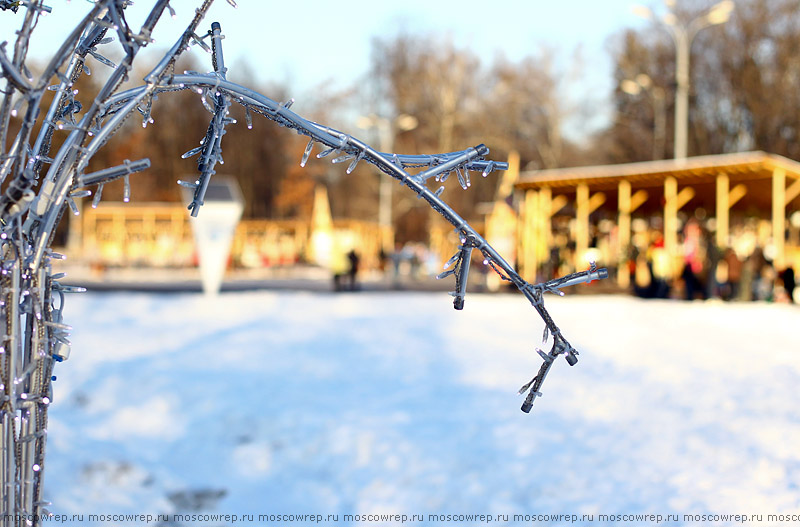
[[789, 282], [660, 267], [352, 272], [694, 260], [397, 259], [733, 266], [382, 259], [764, 275]]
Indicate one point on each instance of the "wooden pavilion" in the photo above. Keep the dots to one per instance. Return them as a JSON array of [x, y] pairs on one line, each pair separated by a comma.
[[723, 187]]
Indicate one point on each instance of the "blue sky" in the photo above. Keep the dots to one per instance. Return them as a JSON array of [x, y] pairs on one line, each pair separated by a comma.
[[309, 43]]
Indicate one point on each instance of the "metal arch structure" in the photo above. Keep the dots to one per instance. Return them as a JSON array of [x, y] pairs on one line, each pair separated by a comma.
[[33, 200]]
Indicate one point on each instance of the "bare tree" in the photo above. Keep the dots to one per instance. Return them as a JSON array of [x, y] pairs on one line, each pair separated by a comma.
[[518, 106], [745, 76], [748, 78], [528, 108]]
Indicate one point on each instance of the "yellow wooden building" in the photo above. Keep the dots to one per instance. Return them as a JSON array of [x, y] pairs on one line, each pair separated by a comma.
[[117, 234], [589, 211]]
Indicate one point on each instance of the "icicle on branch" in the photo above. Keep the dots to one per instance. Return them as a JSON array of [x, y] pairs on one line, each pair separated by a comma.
[[211, 150], [110, 174]]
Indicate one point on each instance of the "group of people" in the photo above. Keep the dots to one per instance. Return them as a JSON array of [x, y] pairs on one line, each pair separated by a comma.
[[411, 261], [705, 271], [708, 272]]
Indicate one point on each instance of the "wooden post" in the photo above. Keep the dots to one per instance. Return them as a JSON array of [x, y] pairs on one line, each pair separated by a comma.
[[670, 214], [521, 228], [628, 203], [582, 223], [778, 215], [723, 210], [624, 232], [585, 205], [528, 260], [792, 192], [535, 211], [726, 198], [673, 202], [545, 233]]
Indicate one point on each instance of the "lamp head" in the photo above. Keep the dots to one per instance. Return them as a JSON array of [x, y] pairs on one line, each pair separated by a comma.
[[721, 12], [630, 87]]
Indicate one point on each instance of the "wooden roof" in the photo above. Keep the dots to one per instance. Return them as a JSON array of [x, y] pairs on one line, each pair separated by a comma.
[[738, 166]]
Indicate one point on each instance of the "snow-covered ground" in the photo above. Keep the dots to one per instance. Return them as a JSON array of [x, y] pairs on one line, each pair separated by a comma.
[[394, 403]]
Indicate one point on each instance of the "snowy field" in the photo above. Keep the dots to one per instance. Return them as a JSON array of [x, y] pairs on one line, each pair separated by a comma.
[[367, 403]]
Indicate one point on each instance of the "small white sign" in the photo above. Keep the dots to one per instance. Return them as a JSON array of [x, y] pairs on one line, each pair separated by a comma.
[[214, 228]]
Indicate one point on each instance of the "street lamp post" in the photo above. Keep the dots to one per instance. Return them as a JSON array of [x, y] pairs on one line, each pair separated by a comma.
[[386, 128], [683, 34]]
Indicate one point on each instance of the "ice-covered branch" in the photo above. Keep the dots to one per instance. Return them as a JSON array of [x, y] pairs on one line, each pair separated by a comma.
[[33, 200], [343, 147]]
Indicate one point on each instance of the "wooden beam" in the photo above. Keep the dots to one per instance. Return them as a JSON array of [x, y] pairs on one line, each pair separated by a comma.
[[637, 200], [778, 214], [683, 197], [596, 201], [792, 192], [558, 203], [737, 193]]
